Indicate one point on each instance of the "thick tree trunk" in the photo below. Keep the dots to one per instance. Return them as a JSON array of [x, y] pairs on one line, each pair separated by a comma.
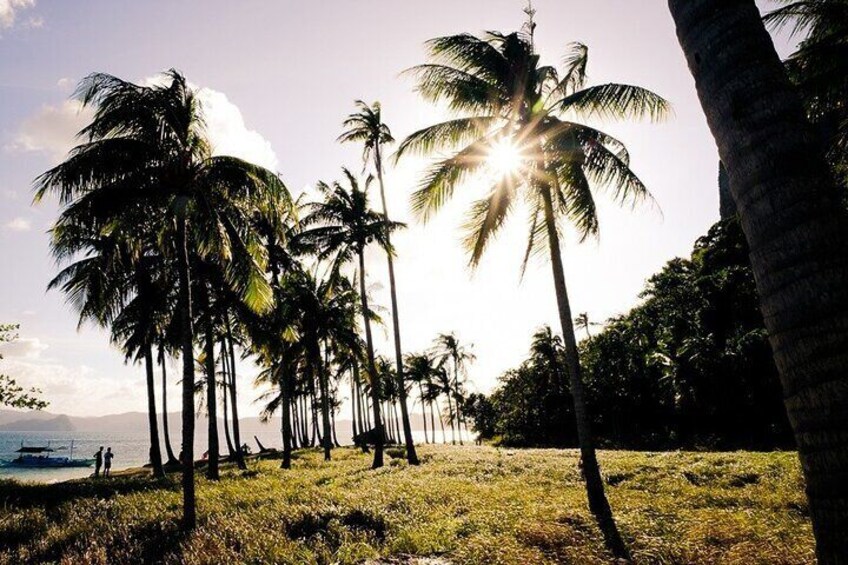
[[234, 397], [796, 229], [411, 455], [211, 388], [171, 457], [372, 369], [286, 423], [187, 354], [152, 423], [598, 503]]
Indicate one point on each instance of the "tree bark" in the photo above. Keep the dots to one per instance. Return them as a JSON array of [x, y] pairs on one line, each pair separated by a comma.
[[211, 387], [411, 455], [187, 348], [372, 369], [598, 503], [165, 428], [790, 211], [234, 396], [324, 386], [152, 423], [286, 423], [225, 373], [423, 412]]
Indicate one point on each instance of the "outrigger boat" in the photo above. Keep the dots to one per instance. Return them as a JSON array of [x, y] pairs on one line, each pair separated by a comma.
[[42, 456]]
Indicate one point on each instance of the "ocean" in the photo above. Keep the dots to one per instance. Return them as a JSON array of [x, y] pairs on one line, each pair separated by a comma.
[[131, 448]]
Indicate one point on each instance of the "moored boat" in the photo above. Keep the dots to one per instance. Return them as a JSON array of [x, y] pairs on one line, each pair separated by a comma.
[[43, 457]]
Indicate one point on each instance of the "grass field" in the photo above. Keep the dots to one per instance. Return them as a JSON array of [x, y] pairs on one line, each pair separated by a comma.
[[462, 505]]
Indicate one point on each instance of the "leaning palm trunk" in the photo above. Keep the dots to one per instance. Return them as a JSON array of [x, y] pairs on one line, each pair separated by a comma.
[[796, 231], [187, 340], [234, 397], [152, 424], [598, 503], [411, 455], [165, 430], [372, 369], [211, 389]]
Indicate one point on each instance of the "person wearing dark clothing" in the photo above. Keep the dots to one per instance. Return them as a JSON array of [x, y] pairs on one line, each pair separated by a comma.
[[98, 461], [107, 462]]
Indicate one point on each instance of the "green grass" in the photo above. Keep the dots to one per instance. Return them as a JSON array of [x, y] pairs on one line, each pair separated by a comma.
[[464, 505]]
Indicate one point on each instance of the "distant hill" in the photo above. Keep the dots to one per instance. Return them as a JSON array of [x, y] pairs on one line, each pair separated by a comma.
[[60, 423]]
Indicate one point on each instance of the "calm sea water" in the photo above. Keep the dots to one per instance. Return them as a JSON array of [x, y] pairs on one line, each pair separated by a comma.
[[130, 448]]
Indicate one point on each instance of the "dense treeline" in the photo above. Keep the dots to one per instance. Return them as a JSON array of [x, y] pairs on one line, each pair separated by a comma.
[[689, 367]]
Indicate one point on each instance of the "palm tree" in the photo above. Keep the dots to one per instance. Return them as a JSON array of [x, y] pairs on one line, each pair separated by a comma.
[[515, 123], [366, 126], [113, 285], [449, 351], [145, 154], [796, 230], [341, 227], [819, 68], [421, 368]]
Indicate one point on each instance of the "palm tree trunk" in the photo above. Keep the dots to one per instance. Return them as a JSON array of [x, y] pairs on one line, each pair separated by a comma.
[[286, 423], [152, 423], [170, 451], [353, 405], [456, 400], [226, 375], [411, 455], [186, 344], [442, 423], [211, 387], [323, 377], [423, 412], [294, 421], [598, 503], [234, 396], [372, 369], [451, 418], [796, 230]]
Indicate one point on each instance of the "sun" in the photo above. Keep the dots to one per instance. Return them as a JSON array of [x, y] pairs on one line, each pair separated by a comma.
[[505, 158]]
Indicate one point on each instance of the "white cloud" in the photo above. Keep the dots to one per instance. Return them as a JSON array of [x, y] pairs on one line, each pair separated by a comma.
[[9, 10], [18, 224], [23, 348], [52, 129], [229, 134]]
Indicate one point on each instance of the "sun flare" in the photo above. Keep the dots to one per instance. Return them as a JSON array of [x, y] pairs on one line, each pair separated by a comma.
[[505, 158]]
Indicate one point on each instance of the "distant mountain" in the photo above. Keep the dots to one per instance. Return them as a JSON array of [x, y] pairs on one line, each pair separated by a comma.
[[132, 422], [60, 423]]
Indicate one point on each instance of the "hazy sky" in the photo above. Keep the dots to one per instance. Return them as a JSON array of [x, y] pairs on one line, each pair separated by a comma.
[[280, 77]]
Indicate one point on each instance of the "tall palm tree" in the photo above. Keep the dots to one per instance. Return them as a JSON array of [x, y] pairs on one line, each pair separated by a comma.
[[516, 124], [341, 227], [796, 231], [366, 127], [113, 285], [449, 351], [145, 154]]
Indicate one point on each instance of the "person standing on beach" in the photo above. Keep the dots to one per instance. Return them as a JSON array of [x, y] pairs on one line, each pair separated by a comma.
[[98, 462], [107, 462]]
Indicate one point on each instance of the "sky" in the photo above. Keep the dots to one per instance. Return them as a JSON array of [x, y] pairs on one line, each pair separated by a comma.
[[277, 79]]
